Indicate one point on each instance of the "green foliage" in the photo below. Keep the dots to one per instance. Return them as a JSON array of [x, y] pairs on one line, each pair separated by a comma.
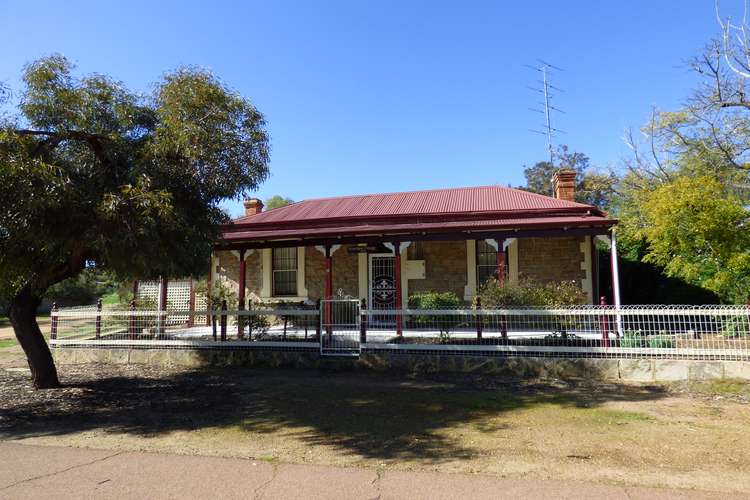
[[527, 292], [83, 289], [436, 300], [735, 327], [637, 338], [277, 201], [133, 183], [218, 292], [593, 187], [695, 229]]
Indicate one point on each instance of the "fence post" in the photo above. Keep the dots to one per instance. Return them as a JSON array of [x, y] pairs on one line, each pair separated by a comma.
[[98, 332], [317, 323], [479, 317], [131, 326], [223, 320], [240, 319], [191, 316], [604, 323], [53, 322], [362, 322], [249, 320], [212, 318], [163, 285]]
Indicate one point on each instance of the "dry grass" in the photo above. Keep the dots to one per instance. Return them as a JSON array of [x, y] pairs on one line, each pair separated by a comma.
[[641, 435]]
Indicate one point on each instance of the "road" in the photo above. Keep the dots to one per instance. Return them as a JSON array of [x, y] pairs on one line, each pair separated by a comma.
[[29, 472]]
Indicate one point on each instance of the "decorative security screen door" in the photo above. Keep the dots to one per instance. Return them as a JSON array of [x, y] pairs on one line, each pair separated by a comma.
[[382, 287]]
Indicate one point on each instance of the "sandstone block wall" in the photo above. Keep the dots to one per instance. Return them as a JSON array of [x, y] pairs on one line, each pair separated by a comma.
[[551, 259]]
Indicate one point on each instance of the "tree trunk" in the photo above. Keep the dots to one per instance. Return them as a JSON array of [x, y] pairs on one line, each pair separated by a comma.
[[23, 318]]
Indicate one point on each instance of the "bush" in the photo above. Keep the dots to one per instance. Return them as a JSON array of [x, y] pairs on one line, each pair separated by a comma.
[[527, 292], [639, 339], [84, 289], [436, 300], [735, 327]]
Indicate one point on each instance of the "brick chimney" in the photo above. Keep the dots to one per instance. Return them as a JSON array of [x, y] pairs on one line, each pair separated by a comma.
[[564, 182], [253, 206]]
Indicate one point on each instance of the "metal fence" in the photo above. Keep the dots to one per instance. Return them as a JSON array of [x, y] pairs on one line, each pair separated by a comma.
[[707, 332]]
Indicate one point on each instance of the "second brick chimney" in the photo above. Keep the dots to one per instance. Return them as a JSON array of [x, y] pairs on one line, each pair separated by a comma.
[[564, 182], [253, 206]]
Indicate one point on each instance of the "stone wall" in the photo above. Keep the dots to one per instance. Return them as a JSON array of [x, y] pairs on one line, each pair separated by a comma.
[[626, 370], [345, 272], [551, 259], [445, 268], [229, 271]]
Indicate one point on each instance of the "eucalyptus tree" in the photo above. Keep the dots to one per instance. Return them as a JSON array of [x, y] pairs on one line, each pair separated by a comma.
[[94, 174]]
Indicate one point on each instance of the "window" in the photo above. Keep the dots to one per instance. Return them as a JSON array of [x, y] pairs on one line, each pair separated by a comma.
[[284, 271], [487, 262]]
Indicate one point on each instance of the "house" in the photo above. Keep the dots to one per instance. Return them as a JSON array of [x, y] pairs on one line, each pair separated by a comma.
[[385, 247]]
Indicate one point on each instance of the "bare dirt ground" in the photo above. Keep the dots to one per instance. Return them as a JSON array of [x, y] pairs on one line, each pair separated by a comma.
[[678, 437], [6, 330]]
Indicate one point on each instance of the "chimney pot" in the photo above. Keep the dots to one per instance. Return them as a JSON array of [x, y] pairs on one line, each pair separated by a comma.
[[565, 185], [253, 206]]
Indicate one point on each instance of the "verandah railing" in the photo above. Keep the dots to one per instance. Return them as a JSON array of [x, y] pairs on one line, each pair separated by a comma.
[[712, 332]]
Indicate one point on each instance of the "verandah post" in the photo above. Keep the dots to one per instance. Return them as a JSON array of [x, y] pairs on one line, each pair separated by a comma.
[[53, 322], [98, 326], [604, 323], [397, 279], [241, 296]]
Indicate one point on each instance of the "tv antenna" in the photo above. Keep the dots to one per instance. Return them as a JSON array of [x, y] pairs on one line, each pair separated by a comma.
[[548, 92]]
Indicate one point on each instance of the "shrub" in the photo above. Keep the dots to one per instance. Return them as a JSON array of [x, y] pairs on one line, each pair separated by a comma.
[[219, 291], [527, 292], [735, 327], [82, 289], [638, 338], [436, 300]]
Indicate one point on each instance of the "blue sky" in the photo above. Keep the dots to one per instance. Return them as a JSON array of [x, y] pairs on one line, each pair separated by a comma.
[[392, 95]]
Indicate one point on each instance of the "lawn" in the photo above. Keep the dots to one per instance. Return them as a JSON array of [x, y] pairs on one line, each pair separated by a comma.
[[640, 435]]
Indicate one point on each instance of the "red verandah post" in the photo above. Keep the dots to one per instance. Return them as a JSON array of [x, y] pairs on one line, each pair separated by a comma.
[[604, 323], [397, 279]]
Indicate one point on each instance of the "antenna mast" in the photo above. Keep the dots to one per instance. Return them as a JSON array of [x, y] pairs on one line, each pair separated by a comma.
[[547, 129]]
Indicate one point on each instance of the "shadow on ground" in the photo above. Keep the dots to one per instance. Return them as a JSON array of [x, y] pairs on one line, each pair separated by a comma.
[[374, 415]]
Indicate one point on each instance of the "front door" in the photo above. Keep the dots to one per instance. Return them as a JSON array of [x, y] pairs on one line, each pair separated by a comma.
[[382, 286]]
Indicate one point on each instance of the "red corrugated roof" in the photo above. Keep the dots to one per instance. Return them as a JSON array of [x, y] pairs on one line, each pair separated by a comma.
[[434, 201], [483, 208], [369, 229]]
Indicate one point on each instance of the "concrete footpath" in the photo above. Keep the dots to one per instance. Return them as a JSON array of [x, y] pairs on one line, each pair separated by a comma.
[[28, 472]]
